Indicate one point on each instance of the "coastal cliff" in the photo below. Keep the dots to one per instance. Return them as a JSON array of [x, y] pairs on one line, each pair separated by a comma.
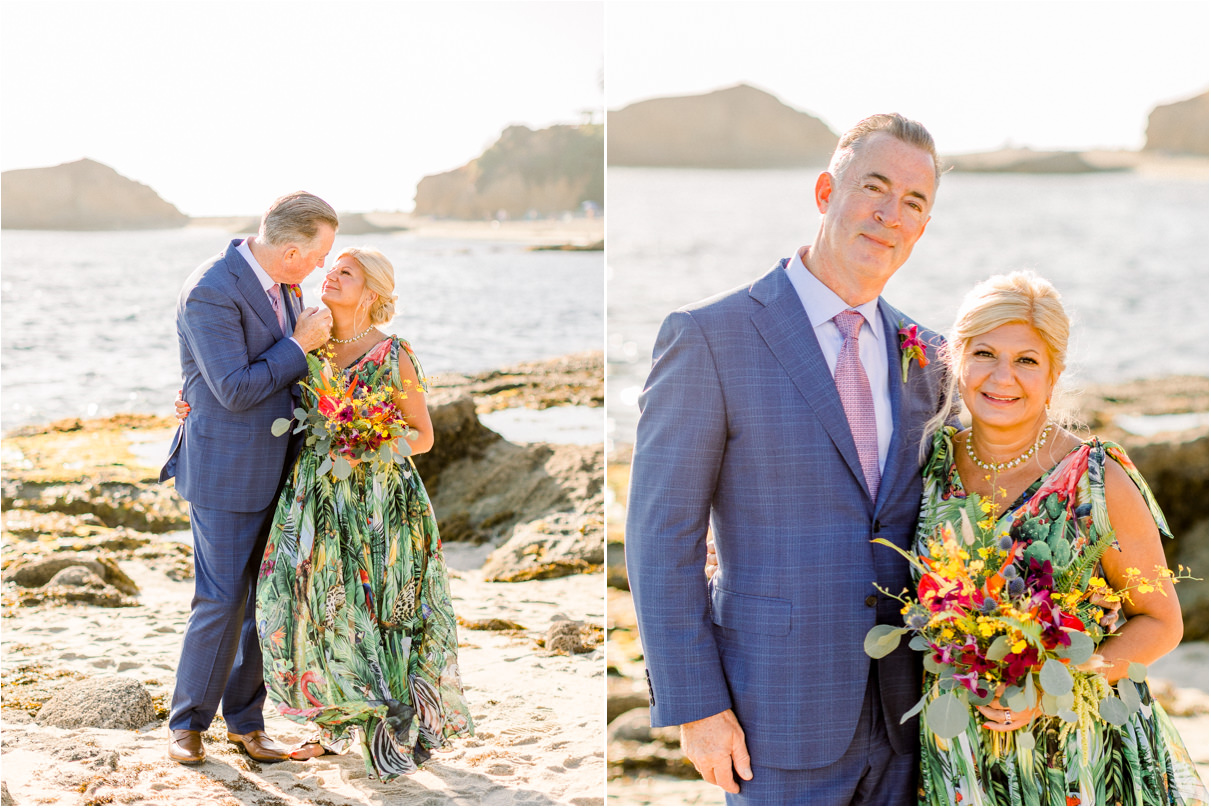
[[526, 172], [737, 127], [83, 195], [1179, 128]]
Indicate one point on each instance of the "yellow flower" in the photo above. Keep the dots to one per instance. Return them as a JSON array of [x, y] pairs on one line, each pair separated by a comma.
[[1132, 571], [1018, 647], [1144, 589]]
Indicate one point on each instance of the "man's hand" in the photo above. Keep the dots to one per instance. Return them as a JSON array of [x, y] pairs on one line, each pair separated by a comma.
[[313, 327], [715, 745]]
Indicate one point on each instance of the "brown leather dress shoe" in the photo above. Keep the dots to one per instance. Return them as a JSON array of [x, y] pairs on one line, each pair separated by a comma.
[[185, 746], [260, 747]]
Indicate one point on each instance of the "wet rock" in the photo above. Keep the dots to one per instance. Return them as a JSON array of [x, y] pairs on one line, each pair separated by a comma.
[[151, 508], [636, 725], [458, 435], [624, 695], [109, 702], [564, 544]]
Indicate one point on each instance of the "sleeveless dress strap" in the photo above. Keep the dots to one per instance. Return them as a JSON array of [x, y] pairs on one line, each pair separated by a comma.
[[398, 343], [1099, 450]]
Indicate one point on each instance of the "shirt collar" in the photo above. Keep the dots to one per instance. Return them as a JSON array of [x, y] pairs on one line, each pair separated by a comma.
[[267, 282], [821, 303]]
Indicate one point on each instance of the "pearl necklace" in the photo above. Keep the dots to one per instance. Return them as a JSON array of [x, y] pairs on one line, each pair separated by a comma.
[[351, 339], [1008, 464]]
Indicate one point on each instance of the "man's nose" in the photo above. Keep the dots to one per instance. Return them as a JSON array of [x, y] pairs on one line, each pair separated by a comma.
[[888, 213]]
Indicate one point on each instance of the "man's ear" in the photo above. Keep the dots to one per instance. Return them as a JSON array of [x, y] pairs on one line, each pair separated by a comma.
[[824, 191]]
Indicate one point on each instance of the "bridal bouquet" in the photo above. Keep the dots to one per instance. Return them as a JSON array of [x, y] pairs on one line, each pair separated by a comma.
[[995, 613], [351, 420]]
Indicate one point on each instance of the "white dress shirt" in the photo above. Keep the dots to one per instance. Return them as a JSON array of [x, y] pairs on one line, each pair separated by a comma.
[[267, 282], [822, 305]]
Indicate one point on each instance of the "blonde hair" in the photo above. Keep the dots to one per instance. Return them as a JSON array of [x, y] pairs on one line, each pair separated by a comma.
[[295, 219], [894, 124], [379, 278], [1019, 297]]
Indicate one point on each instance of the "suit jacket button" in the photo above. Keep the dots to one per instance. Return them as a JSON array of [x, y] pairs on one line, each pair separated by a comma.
[[871, 600], [877, 526]]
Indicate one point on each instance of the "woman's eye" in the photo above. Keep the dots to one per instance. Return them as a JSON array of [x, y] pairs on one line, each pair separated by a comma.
[[983, 353], [1028, 360]]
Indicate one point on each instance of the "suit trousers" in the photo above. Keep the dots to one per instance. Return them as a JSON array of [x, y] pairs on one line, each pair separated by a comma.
[[221, 653], [869, 773]]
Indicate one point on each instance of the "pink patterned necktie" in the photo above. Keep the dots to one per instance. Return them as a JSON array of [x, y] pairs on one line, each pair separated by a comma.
[[856, 398], [275, 299]]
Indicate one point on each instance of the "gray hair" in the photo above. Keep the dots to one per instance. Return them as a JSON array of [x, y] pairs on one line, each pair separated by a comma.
[[295, 219], [894, 124]]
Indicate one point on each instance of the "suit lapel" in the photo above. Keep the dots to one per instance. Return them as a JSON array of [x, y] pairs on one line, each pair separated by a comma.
[[897, 457], [250, 288], [786, 330]]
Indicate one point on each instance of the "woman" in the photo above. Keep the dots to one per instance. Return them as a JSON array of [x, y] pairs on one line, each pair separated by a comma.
[[353, 601], [1006, 353]]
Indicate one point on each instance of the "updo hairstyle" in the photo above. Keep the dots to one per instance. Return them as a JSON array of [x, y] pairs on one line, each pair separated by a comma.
[[1018, 297], [380, 279]]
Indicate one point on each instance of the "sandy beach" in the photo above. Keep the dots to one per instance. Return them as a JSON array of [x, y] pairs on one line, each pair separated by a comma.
[[538, 711], [537, 714]]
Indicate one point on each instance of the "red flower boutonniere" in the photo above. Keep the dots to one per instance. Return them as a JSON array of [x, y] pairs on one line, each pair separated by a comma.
[[294, 287], [911, 348]]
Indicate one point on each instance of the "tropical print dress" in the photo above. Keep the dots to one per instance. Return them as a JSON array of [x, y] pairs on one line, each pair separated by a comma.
[[353, 606], [1141, 763]]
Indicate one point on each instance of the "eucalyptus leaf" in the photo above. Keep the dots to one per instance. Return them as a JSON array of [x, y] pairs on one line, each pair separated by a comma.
[[1024, 739], [300, 413], [1048, 703], [403, 447], [280, 426], [932, 665], [1067, 700], [1129, 695], [1113, 711], [1055, 678], [325, 467], [916, 708], [1010, 691], [999, 649], [882, 640], [341, 468], [1029, 692], [1081, 647], [1069, 716], [323, 446], [918, 643], [946, 684], [302, 426], [1017, 702], [1137, 671], [946, 716]]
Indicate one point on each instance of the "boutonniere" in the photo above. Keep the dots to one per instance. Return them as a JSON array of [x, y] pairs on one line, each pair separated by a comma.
[[911, 348], [294, 287]]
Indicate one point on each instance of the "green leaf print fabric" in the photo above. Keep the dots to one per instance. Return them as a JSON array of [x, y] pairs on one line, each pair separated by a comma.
[[1140, 763], [353, 606]]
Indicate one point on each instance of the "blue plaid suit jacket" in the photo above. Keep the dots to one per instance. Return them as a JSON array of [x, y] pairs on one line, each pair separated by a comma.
[[238, 372], [741, 426]]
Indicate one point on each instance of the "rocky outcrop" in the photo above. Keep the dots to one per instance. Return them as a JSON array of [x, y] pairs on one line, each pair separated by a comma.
[[1025, 161], [1178, 128], [545, 172], [108, 702], [737, 127], [84, 195]]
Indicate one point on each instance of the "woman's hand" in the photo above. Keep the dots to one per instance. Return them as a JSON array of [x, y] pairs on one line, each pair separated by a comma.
[[1003, 719], [182, 408], [712, 560]]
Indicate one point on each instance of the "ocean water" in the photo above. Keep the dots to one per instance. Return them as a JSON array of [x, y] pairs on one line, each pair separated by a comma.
[[87, 319], [1128, 253]]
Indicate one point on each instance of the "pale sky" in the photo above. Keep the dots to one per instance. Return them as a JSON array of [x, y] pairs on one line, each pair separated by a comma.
[[979, 75], [222, 106]]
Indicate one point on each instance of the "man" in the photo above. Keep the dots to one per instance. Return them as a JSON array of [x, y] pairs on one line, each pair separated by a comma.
[[743, 424], [243, 338]]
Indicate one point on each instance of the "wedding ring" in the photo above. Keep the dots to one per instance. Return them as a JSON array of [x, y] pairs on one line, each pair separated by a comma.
[[1008, 717]]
